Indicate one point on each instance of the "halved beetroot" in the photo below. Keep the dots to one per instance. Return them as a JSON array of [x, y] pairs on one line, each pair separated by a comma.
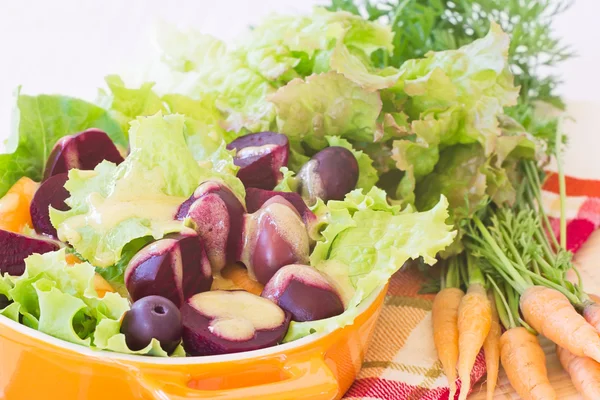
[[260, 156], [51, 192], [175, 267], [84, 151], [217, 215], [274, 236], [15, 248], [304, 292], [221, 322]]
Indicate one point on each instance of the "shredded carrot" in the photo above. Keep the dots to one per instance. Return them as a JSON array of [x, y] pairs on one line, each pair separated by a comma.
[[72, 259], [525, 364], [444, 315], [550, 313], [584, 373], [491, 348], [474, 322]]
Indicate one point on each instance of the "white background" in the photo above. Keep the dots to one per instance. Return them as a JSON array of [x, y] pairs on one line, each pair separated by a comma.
[[68, 46]]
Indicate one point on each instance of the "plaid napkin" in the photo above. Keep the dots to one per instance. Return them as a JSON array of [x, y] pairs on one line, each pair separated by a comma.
[[402, 363]]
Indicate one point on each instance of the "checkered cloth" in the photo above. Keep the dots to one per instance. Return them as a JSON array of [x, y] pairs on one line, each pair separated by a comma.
[[402, 363]]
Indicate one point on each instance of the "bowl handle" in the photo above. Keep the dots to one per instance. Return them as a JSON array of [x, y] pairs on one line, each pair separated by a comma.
[[307, 376]]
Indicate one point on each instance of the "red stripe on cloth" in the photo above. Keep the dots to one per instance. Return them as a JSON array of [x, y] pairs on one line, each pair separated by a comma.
[[385, 389], [575, 186]]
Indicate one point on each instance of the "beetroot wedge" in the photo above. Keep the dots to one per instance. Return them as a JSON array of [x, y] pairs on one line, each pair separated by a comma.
[[15, 248], [260, 156], [84, 151], [51, 193]]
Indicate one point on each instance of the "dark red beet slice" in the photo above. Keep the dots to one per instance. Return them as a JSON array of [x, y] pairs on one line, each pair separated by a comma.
[[260, 156], [274, 236], [51, 192], [15, 248], [175, 267], [84, 151], [217, 216], [304, 292], [221, 322]]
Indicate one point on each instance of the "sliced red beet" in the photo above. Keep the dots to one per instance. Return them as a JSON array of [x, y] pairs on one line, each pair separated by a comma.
[[84, 150], [175, 267], [260, 157], [217, 215], [15, 248], [221, 322], [274, 236], [51, 192], [304, 292]]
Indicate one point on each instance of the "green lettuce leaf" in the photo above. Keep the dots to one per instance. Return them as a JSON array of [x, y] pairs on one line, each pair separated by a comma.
[[42, 121], [288, 183], [60, 300], [206, 138], [367, 174], [126, 104], [203, 65], [363, 249], [326, 104], [474, 83], [113, 205]]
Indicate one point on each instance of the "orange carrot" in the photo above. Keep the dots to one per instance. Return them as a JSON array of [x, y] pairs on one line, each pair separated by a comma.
[[491, 348], [525, 364], [444, 315], [240, 278], [584, 373], [14, 206], [102, 286], [474, 322], [550, 313], [72, 259]]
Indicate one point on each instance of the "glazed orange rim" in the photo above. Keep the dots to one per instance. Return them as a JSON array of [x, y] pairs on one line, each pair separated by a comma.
[[86, 351]]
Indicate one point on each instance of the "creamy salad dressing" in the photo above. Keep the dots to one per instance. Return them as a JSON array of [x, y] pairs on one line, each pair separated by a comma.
[[237, 315], [132, 197]]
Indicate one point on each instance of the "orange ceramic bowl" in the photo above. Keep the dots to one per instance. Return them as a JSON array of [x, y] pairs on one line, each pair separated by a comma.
[[36, 366]]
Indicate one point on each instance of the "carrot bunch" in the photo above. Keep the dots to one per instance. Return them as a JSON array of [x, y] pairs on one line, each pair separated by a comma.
[[528, 268]]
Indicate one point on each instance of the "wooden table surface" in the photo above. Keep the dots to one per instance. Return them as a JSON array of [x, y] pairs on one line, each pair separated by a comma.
[[558, 377]]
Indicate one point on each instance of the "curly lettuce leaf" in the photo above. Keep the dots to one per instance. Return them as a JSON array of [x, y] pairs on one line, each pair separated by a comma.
[[283, 47], [326, 104], [126, 104], [473, 82], [60, 300], [42, 121], [203, 65], [206, 138], [278, 50], [113, 205], [362, 250]]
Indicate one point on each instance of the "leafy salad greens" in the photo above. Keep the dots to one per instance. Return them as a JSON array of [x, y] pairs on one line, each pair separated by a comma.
[[430, 137]]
